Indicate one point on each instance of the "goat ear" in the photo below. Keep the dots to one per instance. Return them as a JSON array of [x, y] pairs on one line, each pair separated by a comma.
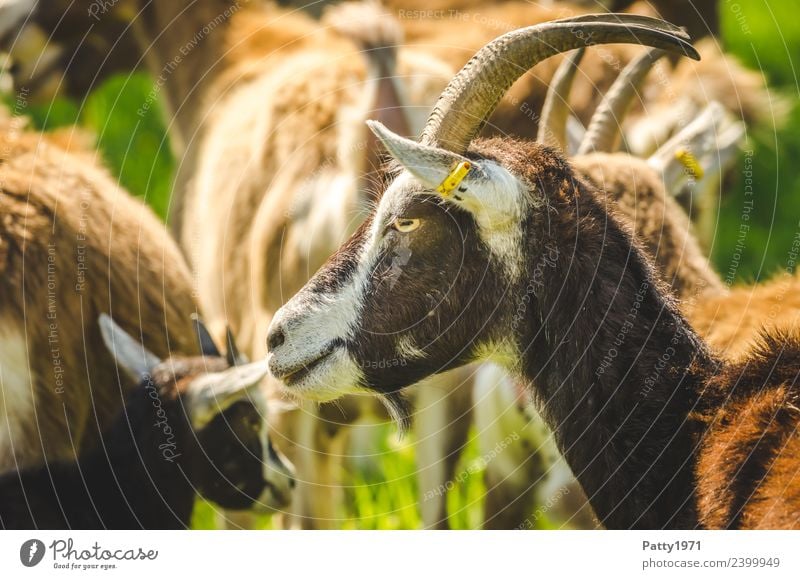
[[707, 145], [207, 345], [210, 394], [430, 165], [234, 356], [136, 360]]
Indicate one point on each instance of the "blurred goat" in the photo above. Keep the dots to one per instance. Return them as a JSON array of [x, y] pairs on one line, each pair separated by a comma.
[[210, 438]]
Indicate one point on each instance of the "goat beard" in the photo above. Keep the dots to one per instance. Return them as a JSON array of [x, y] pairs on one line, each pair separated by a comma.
[[399, 409]]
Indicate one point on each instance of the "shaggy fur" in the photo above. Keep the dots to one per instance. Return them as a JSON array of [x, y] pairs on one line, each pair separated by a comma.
[[629, 187], [74, 245], [729, 318]]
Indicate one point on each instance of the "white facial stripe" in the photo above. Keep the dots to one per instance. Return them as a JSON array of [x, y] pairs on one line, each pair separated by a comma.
[[498, 203], [330, 317], [408, 349], [341, 310], [495, 198]]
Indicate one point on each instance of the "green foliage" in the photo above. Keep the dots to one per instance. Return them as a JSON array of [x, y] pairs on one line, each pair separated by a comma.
[[753, 245], [134, 146]]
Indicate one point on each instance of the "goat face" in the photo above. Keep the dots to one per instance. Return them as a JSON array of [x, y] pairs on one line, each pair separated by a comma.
[[408, 295], [232, 460], [237, 466]]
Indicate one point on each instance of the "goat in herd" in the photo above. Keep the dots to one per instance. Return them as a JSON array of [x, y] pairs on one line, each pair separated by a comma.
[[536, 262], [210, 438], [74, 246], [534, 273]]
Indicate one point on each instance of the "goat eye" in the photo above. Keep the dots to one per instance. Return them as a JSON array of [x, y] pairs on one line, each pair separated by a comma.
[[404, 225]]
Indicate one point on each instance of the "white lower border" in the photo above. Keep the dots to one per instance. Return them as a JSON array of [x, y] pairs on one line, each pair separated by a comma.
[[402, 554]]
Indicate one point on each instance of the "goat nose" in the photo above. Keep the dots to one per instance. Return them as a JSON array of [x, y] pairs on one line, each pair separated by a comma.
[[292, 483], [275, 337]]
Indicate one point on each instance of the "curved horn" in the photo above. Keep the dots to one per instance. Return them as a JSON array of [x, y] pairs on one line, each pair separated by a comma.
[[603, 130], [474, 92], [553, 121]]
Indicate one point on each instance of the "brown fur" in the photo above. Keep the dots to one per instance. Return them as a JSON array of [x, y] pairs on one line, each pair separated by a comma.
[[748, 475], [746, 470], [631, 190], [60, 211], [636, 192], [730, 319]]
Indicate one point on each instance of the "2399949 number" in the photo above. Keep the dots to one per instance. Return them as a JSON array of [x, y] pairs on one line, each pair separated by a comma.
[[754, 562]]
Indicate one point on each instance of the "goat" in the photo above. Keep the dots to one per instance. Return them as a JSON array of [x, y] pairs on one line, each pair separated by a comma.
[[74, 245], [210, 438], [729, 318], [529, 471], [541, 279]]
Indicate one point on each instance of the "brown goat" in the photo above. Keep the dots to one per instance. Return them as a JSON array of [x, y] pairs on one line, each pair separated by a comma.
[[74, 245], [641, 409]]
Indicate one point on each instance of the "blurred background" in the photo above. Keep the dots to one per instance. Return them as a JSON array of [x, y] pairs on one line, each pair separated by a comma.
[[383, 494]]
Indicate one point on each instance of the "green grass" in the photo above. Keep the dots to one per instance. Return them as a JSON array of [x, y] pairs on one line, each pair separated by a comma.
[[384, 495]]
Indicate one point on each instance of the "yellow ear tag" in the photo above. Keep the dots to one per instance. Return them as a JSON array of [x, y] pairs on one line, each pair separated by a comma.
[[454, 179], [690, 162]]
